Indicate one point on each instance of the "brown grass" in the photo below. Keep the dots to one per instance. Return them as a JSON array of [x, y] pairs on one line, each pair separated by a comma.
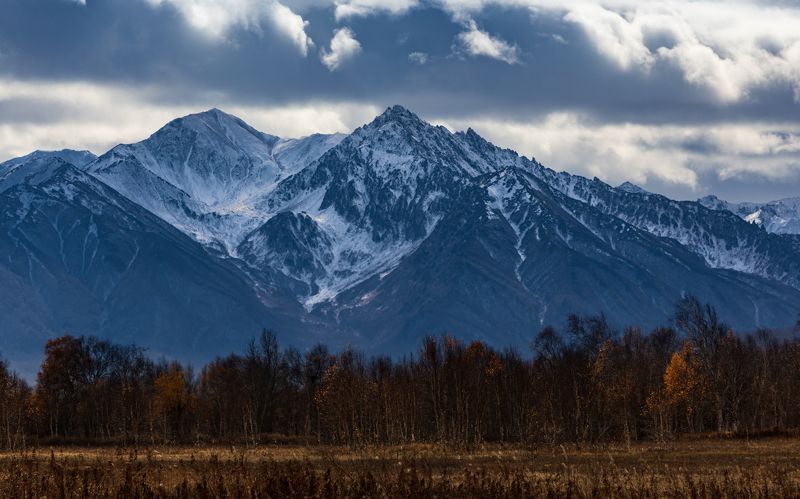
[[693, 468]]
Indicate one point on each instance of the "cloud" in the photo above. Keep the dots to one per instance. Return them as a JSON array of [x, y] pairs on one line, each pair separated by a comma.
[[682, 96], [683, 161], [418, 58], [84, 115], [613, 35], [726, 48], [353, 8], [649, 61], [344, 46], [215, 18], [291, 25], [480, 43], [716, 46]]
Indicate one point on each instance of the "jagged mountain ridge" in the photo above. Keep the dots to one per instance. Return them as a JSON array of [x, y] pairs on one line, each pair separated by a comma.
[[522, 254], [779, 217], [722, 239], [392, 176], [403, 228], [378, 194]]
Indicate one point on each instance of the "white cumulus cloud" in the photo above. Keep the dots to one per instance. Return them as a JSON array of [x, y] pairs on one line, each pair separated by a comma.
[[728, 48], [291, 25], [344, 46], [215, 18], [613, 35], [480, 43]]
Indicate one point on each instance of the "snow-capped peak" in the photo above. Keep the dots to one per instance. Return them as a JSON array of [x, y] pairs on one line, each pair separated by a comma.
[[396, 121], [631, 188], [77, 158], [376, 196], [400, 114], [204, 173], [46, 167], [215, 125]]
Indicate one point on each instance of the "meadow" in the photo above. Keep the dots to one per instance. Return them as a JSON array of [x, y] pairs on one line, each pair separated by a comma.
[[696, 467]]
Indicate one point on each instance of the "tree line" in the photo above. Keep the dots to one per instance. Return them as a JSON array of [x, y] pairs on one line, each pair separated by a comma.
[[587, 383]]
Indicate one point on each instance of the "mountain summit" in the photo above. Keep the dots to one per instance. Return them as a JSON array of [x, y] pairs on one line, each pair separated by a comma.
[[209, 229], [204, 172]]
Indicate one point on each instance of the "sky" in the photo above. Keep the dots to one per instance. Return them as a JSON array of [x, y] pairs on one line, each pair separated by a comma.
[[685, 98]]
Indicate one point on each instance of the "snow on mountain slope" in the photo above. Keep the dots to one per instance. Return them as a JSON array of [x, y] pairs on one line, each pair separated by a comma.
[[373, 198], [374, 195], [381, 192], [397, 230], [291, 243], [204, 172], [722, 239], [296, 154], [77, 158], [83, 259], [779, 217], [514, 254], [36, 166]]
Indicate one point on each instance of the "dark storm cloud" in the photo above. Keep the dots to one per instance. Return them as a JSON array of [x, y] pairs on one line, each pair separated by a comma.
[[59, 39], [132, 41]]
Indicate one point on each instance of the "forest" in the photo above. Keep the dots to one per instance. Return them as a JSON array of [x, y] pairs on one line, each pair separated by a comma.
[[585, 384]]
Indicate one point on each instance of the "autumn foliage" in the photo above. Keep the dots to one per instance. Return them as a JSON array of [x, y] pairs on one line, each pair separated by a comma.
[[586, 383]]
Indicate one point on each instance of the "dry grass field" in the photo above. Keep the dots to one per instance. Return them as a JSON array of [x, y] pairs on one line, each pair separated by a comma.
[[691, 468]]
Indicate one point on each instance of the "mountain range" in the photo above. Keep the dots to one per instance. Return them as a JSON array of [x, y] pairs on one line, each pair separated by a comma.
[[781, 217], [194, 239]]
